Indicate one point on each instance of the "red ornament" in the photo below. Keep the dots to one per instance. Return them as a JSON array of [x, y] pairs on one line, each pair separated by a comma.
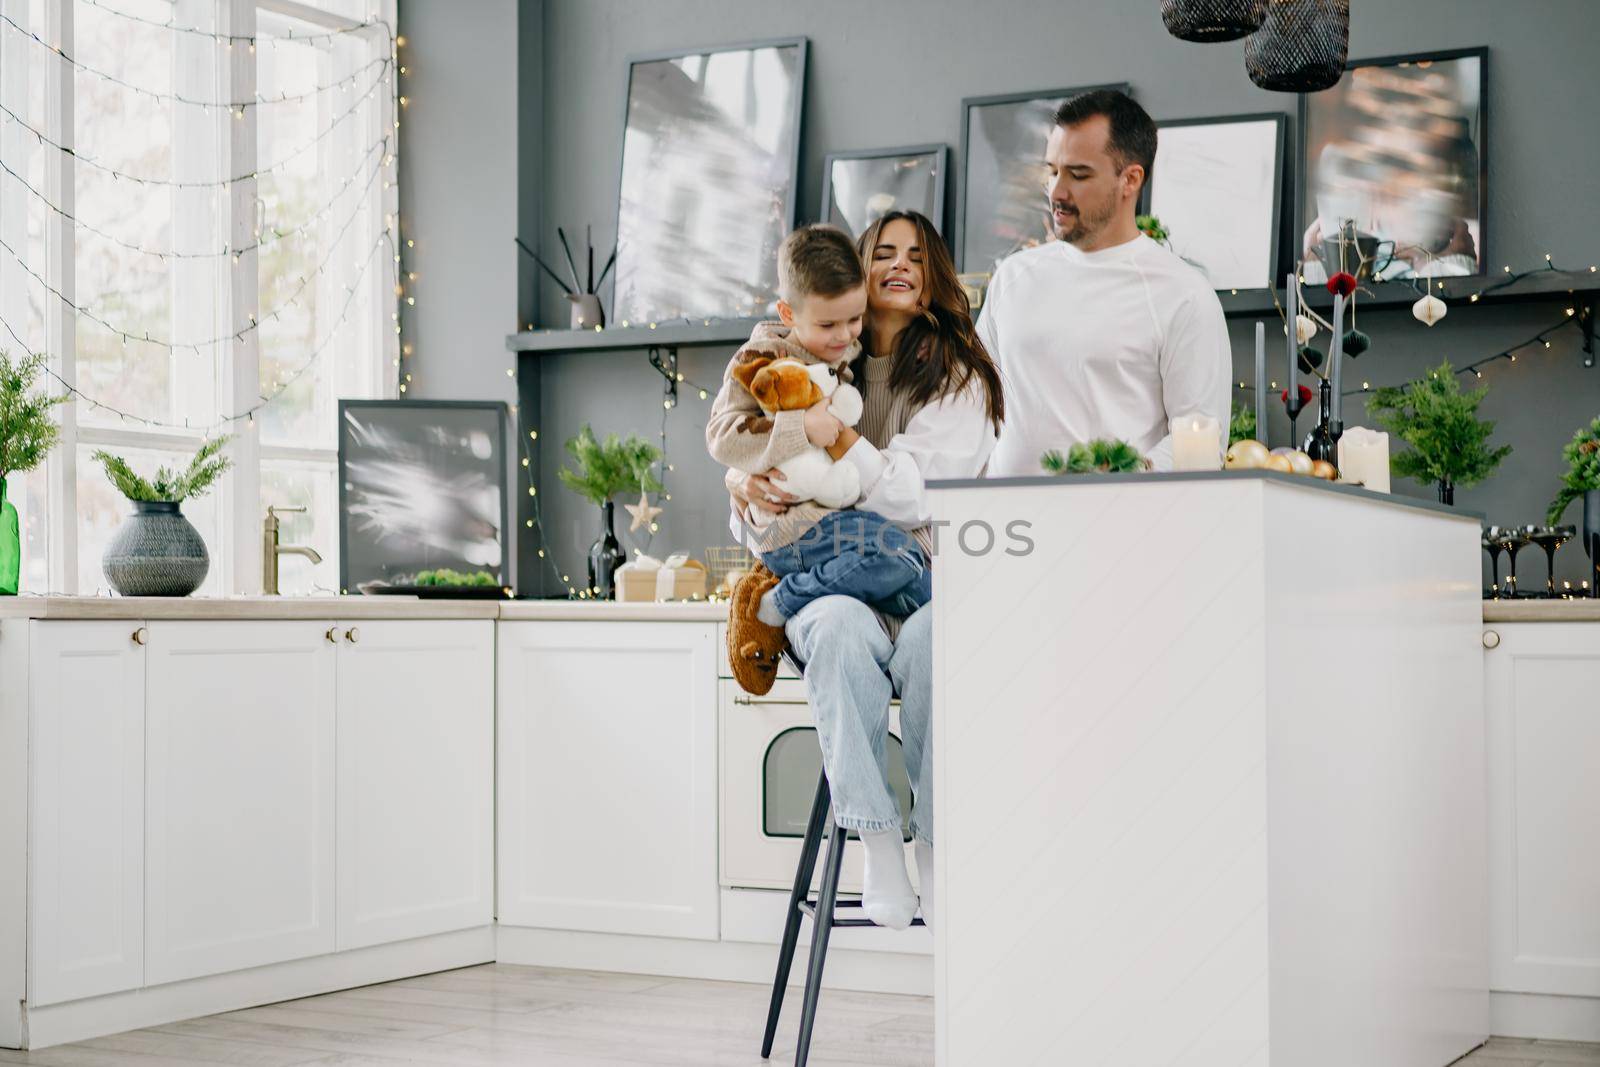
[[1342, 284], [1305, 396]]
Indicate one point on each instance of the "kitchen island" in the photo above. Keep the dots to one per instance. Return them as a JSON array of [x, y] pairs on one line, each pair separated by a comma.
[[1209, 774]]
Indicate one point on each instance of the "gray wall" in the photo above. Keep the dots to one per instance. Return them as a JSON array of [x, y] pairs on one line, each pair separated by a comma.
[[895, 71]]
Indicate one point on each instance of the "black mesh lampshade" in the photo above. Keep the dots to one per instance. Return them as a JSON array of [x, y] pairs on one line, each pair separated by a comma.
[[1302, 47], [1213, 20]]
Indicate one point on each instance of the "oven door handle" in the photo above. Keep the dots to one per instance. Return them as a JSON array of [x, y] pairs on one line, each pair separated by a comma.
[[750, 701]]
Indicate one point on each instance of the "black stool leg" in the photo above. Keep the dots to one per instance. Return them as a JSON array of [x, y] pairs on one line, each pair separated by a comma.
[[827, 893], [791, 927]]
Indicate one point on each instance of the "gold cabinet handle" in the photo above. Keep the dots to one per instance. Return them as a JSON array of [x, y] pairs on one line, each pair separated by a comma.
[[332, 635], [353, 634], [1491, 639], [138, 635]]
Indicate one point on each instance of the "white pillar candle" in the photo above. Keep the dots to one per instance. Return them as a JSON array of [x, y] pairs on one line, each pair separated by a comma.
[[1364, 458], [1196, 444]]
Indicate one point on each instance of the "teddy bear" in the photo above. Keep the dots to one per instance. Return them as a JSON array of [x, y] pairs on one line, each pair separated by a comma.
[[786, 384]]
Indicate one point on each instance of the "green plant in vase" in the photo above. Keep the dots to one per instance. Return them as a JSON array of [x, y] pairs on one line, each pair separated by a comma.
[[158, 552], [1582, 457], [1449, 443], [27, 434], [604, 469]]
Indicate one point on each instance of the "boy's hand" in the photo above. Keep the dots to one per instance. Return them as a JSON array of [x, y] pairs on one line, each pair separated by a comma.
[[762, 491], [822, 428]]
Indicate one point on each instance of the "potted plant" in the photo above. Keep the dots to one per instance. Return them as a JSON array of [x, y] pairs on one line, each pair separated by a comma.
[[27, 434], [1449, 443], [1100, 456], [606, 468], [157, 552], [1582, 479]]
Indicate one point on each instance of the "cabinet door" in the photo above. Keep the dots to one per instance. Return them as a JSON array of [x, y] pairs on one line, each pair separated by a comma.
[[608, 777], [86, 821], [239, 795], [1542, 693], [415, 779]]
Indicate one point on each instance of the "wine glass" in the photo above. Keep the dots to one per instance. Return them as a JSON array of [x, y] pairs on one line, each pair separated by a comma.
[[1491, 545], [1512, 539], [1551, 538]]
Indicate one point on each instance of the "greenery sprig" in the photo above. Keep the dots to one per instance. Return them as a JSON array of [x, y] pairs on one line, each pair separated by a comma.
[[27, 433], [1242, 426], [612, 466], [1100, 456], [1582, 456], [1449, 443], [170, 484]]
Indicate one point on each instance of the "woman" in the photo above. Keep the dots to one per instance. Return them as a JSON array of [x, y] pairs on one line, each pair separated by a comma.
[[932, 410]]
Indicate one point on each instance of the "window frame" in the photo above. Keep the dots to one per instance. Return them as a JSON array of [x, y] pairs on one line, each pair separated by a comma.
[[237, 384]]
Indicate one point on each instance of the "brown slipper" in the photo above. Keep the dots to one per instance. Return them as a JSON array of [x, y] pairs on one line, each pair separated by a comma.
[[754, 648]]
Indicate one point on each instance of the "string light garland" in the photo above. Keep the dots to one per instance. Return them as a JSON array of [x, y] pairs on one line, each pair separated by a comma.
[[7, 22], [389, 236]]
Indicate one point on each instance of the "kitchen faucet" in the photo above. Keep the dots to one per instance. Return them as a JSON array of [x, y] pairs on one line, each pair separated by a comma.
[[271, 550]]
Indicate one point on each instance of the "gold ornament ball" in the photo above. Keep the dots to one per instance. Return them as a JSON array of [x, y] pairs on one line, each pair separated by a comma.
[[1321, 468], [1245, 455], [1278, 462], [1300, 463]]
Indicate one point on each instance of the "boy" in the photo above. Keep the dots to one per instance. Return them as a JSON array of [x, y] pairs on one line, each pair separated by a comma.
[[813, 551]]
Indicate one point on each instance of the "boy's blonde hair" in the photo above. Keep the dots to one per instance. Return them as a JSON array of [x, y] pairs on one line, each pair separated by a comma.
[[820, 261]]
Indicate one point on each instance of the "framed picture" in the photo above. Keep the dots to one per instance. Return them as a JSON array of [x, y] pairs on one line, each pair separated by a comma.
[[1394, 174], [1001, 207], [861, 187], [1217, 189], [422, 486], [710, 159]]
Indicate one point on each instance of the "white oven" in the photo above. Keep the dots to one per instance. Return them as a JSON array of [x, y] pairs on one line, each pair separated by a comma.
[[769, 762]]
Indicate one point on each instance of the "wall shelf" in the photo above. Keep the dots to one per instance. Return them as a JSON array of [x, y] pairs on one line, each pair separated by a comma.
[[618, 338]]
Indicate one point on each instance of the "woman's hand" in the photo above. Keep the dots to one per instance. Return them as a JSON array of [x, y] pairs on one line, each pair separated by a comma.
[[761, 491], [822, 428]]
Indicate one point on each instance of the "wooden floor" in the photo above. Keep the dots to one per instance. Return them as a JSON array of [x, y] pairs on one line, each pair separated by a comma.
[[539, 1017]]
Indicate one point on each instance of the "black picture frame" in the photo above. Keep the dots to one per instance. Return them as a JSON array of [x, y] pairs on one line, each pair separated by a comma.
[[940, 155], [1304, 170], [964, 186], [497, 465], [1280, 122], [796, 119]]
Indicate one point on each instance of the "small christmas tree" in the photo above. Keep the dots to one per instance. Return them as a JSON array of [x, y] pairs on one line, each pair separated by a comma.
[[612, 466], [1582, 456], [1449, 443], [1096, 457]]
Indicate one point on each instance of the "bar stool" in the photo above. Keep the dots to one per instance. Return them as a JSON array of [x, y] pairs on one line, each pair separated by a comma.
[[822, 912]]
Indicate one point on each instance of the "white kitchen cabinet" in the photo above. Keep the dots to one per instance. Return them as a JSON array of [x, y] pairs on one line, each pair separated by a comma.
[[1542, 694], [607, 788], [86, 819], [415, 779], [239, 795]]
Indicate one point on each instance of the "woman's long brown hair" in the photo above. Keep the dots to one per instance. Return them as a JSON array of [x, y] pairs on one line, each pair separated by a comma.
[[938, 353]]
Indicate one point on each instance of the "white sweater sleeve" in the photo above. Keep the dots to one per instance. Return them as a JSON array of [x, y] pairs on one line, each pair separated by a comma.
[[950, 438], [1196, 363]]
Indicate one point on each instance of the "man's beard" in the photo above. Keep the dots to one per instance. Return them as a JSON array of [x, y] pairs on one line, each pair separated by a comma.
[[1083, 228]]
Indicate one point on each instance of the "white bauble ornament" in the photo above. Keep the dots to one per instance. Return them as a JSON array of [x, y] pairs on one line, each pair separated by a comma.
[[1429, 310], [1305, 328]]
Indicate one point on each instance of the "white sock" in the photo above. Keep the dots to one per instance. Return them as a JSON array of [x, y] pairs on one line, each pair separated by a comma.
[[925, 880], [767, 610], [887, 896]]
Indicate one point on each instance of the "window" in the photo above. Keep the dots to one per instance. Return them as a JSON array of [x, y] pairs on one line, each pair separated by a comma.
[[197, 207]]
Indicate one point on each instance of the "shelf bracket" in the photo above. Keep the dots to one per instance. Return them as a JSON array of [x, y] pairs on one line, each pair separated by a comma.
[[667, 366]]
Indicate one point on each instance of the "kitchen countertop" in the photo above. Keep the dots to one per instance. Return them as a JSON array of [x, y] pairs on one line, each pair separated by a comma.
[[396, 607], [244, 607], [1541, 610]]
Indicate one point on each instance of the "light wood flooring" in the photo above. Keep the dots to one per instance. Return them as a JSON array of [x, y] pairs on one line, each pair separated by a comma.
[[539, 1017]]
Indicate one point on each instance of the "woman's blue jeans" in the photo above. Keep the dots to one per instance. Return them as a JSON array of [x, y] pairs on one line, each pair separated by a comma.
[[852, 670]]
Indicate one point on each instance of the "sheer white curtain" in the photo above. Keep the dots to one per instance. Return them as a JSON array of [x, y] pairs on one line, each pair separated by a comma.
[[196, 209]]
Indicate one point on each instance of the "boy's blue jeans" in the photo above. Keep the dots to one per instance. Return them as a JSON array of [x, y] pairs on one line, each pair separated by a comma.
[[858, 554]]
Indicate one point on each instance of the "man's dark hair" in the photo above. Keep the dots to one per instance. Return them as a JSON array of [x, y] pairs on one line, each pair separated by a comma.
[[1133, 131]]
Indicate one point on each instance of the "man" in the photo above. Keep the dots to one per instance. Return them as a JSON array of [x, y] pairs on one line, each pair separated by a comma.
[[1104, 332]]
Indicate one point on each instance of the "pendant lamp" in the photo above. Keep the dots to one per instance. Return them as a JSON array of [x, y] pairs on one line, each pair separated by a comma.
[[1302, 47], [1213, 20]]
